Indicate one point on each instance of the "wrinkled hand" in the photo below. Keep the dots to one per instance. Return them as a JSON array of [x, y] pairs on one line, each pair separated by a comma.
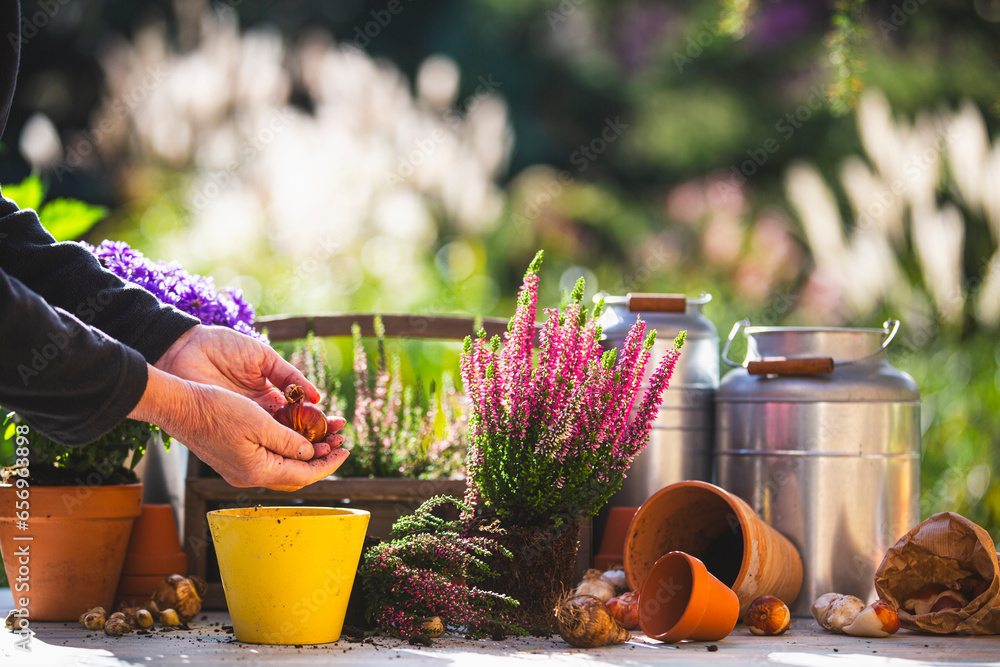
[[228, 359], [236, 436]]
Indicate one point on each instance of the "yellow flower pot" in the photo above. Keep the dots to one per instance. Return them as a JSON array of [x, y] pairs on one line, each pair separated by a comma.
[[288, 571]]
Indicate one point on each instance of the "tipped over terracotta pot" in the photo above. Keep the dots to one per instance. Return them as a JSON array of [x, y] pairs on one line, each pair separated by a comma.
[[722, 531], [680, 599]]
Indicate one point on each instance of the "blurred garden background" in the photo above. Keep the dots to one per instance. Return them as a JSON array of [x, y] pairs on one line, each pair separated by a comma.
[[804, 162]]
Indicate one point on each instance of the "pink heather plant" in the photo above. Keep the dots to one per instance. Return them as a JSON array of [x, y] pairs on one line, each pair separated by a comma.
[[551, 441]]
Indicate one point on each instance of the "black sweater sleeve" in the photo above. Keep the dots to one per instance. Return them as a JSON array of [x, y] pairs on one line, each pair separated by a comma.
[[68, 276], [70, 381]]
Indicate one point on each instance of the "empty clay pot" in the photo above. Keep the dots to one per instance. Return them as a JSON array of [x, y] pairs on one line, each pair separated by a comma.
[[611, 553], [722, 531], [154, 553], [680, 599]]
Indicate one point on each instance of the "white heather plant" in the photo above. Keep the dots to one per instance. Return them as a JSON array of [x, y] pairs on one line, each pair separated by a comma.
[[390, 432]]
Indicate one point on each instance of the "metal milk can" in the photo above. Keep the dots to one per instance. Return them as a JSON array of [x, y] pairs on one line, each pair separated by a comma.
[[682, 437], [821, 436]]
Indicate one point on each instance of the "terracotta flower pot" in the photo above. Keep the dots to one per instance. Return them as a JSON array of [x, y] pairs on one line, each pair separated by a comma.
[[680, 599], [77, 547], [612, 549], [154, 552], [722, 531]]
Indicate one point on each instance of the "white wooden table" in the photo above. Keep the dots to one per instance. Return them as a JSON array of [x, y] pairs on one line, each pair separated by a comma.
[[209, 643]]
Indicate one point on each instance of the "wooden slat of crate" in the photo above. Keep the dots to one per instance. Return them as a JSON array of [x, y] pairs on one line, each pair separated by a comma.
[[431, 327]]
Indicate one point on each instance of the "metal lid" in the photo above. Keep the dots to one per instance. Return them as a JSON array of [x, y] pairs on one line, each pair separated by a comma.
[[667, 313]]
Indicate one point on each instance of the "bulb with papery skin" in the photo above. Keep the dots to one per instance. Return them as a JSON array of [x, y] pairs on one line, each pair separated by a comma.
[[302, 416], [879, 619], [767, 615]]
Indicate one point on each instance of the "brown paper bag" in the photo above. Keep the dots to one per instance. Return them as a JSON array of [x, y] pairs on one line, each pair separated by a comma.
[[943, 549]]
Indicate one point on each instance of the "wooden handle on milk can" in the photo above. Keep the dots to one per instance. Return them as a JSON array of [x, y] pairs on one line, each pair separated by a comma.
[[797, 366], [639, 302]]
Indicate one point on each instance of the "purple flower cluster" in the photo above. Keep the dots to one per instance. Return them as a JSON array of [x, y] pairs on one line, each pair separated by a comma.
[[195, 295], [554, 439]]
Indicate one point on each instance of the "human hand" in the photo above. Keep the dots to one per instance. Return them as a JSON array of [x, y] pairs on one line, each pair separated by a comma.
[[236, 436], [228, 359]]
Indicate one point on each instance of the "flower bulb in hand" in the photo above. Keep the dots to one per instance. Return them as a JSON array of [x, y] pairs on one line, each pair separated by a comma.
[[302, 416]]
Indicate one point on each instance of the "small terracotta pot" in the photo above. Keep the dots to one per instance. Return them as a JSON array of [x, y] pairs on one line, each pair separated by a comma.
[[721, 530], [680, 599], [155, 532], [77, 546], [612, 551], [138, 585], [154, 553]]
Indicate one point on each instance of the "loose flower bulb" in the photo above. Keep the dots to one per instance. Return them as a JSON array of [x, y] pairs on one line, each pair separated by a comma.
[[767, 615], [302, 416], [179, 593], [879, 619], [169, 618], [625, 609]]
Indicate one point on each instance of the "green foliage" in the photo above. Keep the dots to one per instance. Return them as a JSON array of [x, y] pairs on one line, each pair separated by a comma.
[[844, 42], [65, 219], [109, 456], [428, 568], [29, 193], [69, 219]]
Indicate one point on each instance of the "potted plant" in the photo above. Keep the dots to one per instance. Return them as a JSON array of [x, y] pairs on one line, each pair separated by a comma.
[[391, 434], [551, 438], [425, 579], [78, 504]]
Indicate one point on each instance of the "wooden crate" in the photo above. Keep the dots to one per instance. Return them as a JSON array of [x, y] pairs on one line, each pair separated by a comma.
[[387, 499]]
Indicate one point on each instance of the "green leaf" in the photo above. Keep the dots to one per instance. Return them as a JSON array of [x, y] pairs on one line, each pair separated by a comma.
[[9, 433], [69, 219], [26, 194]]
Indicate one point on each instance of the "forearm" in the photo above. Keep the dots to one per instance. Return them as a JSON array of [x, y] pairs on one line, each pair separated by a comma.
[[167, 400], [69, 381], [68, 276]]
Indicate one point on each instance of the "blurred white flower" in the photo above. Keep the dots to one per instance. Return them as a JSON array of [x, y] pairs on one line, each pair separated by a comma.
[[437, 83], [370, 172], [894, 198], [39, 142]]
